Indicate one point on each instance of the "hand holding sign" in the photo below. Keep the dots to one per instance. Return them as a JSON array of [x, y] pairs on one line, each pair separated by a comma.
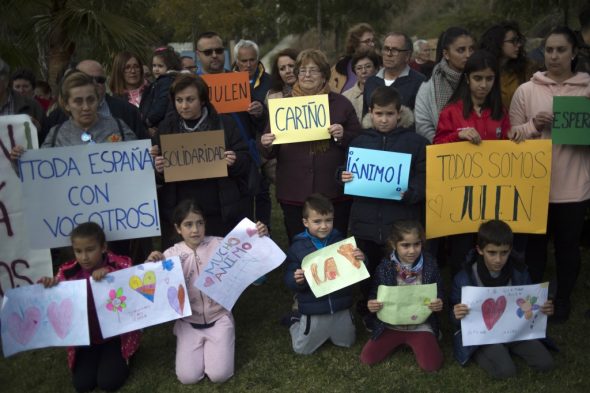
[[301, 119]]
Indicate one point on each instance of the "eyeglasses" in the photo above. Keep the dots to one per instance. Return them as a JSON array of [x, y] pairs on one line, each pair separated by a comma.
[[209, 52], [86, 138], [130, 68], [310, 71], [99, 79], [368, 41], [366, 67], [393, 51], [515, 41]]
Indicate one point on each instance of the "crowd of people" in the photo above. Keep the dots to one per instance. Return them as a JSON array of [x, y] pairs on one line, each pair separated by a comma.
[[383, 95]]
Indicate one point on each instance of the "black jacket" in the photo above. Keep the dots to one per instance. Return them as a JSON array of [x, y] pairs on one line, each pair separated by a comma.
[[371, 218], [155, 102], [119, 108]]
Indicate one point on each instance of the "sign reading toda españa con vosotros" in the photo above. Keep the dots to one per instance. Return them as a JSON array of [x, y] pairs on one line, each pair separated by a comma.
[[112, 184]]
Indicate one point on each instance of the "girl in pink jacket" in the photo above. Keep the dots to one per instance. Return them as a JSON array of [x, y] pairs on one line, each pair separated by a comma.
[[205, 340], [531, 114]]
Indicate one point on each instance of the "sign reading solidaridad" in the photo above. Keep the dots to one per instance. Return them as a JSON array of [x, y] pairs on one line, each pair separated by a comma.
[[299, 119], [194, 155], [468, 184]]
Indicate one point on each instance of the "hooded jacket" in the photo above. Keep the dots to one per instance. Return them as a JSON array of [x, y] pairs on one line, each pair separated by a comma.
[[570, 164]]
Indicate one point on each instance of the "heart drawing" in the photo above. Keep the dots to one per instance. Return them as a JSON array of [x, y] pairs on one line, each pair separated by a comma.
[[23, 329], [492, 310], [209, 281], [60, 317], [251, 231], [436, 205], [146, 286], [176, 298]]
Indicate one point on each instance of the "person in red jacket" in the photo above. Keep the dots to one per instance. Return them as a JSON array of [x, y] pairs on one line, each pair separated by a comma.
[[475, 111]]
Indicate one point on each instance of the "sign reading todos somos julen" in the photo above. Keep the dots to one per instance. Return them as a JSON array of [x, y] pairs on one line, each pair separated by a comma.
[[111, 184]]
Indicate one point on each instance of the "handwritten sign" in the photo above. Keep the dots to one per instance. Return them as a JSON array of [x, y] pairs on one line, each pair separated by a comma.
[[503, 314], [194, 155], [377, 174], [140, 296], [333, 267], [229, 91], [37, 317], [571, 121], [299, 119], [405, 304], [468, 184], [241, 259], [112, 184], [19, 264]]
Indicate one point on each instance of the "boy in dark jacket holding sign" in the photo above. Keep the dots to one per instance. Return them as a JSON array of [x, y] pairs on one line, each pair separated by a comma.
[[329, 316], [371, 219]]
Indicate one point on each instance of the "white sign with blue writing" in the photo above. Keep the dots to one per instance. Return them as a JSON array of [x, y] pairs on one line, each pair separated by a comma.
[[112, 184], [377, 173]]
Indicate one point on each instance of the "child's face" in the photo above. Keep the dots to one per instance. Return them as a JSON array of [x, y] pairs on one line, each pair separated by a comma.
[[409, 248], [319, 225], [192, 229], [158, 66], [88, 252], [384, 118], [495, 256], [481, 83]]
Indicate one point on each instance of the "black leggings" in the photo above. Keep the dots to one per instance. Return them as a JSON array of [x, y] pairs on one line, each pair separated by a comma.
[[565, 223], [100, 365]]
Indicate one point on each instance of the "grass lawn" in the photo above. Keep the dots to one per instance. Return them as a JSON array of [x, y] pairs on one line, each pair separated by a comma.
[[265, 361]]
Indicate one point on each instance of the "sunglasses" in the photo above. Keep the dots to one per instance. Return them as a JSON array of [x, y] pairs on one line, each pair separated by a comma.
[[209, 52], [86, 137], [99, 79]]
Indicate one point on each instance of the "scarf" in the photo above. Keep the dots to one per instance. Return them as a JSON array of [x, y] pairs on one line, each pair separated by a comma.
[[134, 95], [486, 278], [445, 81], [194, 125], [408, 275], [317, 146]]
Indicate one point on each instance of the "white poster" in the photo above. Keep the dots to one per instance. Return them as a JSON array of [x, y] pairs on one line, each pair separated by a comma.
[[112, 184], [503, 314], [242, 258], [140, 296], [38, 317], [19, 264]]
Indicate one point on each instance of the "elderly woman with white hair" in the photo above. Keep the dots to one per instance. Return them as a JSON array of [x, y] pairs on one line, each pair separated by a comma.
[[422, 61]]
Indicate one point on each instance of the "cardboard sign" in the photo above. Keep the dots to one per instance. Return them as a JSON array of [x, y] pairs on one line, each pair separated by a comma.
[[229, 91], [405, 304], [377, 174], [469, 184], [194, 155], [333, 267], [241, 259], [37, 317], [299, 119], [140, 296], [503, 314], [571, 121], [112, 184], [19, 264]]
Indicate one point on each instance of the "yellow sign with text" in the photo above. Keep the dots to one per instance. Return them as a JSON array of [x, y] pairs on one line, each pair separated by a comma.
[[299, 119], [469, 184]]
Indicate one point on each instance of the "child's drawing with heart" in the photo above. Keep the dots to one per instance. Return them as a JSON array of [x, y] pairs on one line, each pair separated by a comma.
[[60, 317], [23, 327], [492, 310]]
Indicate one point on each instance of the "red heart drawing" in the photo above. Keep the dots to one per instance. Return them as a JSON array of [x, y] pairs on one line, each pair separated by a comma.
[[492, 310], [209, 281], [23, 329], [60, 316], [251, 231]]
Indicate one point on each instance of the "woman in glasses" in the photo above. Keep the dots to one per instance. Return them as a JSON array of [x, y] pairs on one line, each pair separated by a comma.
[[455, 46], [365, 64], [506, 42], [360, 37], [127, 80], [305, 168]]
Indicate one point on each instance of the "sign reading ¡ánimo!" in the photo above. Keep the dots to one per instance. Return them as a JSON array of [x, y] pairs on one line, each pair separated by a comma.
[[468, 184], [112, 184], [299, 119]]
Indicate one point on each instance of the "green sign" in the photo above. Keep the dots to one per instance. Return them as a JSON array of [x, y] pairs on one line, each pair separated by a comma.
[[571, 121], [405, 304]]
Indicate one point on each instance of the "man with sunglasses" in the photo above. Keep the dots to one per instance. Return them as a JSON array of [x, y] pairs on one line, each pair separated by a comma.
[[108, 105], [396, 50]]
